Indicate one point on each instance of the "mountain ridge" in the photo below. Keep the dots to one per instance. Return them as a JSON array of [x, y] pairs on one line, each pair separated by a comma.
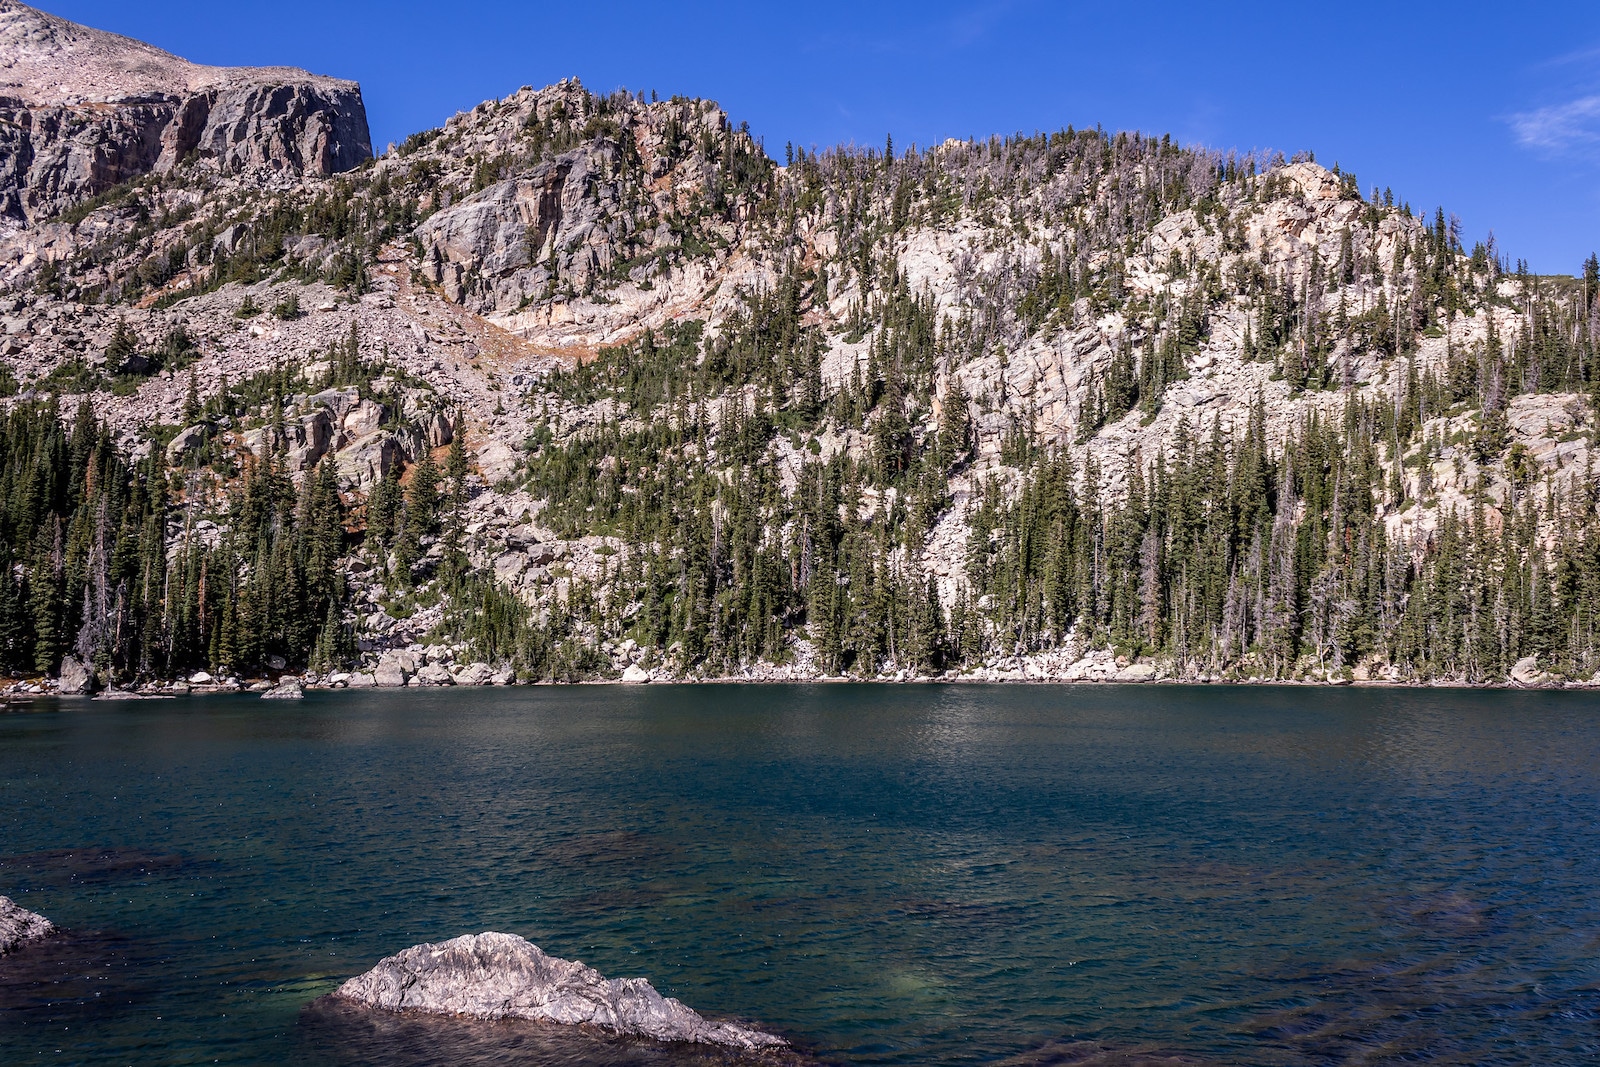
[[46, 60], [594, 388]]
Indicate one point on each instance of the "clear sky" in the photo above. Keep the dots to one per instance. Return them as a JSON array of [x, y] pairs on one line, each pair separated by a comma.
[[1489, 110]]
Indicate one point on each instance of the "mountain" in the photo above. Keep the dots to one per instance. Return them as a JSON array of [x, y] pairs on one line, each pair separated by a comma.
[[82, 111], [587, 385]]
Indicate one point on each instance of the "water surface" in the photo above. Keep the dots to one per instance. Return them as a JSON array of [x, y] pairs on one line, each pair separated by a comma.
[[890, 875]]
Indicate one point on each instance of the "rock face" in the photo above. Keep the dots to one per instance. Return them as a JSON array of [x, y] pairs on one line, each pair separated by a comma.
[[82, 110], [18, 926], [502, 976], [520, 250]]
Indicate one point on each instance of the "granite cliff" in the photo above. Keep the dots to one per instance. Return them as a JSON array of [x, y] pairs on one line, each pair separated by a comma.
[[83, 111]]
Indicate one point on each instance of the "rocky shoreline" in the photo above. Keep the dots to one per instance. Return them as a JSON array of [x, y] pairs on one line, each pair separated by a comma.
[[422, 667]]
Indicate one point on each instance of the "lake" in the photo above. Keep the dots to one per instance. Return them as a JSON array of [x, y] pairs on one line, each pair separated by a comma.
[[948, 874]]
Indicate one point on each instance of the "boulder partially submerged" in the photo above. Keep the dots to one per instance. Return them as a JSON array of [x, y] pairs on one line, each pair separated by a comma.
[[18, 926], [502, 976], [287, 689]]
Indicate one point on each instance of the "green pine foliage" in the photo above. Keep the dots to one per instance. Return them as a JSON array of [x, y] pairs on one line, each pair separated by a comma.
[[102, 559], [1231, 556]]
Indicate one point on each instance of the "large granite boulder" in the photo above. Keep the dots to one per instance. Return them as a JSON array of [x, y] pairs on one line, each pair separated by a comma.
[[286, 689], [474, 674], [75, 678], [393, 669], [363, 463], [188, 440], [433, 674], [502, 976], [18, 926]]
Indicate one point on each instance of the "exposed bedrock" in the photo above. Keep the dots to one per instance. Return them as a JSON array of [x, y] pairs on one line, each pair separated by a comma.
[[502, 976], [19, 926]]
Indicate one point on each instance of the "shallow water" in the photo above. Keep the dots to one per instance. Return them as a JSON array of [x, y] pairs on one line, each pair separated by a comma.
[[889, 875]]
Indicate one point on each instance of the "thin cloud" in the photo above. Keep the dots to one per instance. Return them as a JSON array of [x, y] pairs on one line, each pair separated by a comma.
[[1561, 127], [969, 25], [1580, 55]]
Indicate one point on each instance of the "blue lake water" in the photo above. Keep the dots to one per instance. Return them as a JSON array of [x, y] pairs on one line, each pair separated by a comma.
[[887, 874]]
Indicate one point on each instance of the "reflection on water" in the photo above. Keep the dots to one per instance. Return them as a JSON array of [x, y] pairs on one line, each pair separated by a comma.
[[63, 867], [77, 978], [891, 875], [1094, 1054], [334, 1034]]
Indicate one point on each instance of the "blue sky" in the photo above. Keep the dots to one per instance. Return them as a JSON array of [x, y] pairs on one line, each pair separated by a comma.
[[1490, 110]]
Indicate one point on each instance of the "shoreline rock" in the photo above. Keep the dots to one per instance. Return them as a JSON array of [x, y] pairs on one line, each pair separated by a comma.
[[287, 689], [74, 679], [19, 926], [503, 976]]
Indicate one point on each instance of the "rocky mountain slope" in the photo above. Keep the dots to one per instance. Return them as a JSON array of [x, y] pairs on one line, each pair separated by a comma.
[[584, 385], [82, 111]]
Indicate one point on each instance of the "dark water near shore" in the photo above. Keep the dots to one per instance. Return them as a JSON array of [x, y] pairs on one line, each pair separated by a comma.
[[891, 875]]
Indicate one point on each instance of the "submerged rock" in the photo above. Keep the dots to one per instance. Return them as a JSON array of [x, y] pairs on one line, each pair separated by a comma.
[[502, 976], [18, 926]]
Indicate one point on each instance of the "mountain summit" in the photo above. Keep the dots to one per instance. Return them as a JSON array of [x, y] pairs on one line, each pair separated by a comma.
[[82, 110]]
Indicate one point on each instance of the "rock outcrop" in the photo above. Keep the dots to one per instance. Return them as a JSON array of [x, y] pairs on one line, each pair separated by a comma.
[[82, 111], [502, 976], [19, 926], [530, 251]]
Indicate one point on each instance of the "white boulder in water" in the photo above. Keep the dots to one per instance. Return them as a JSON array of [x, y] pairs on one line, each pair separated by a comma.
[[502, 976], [18, 926]]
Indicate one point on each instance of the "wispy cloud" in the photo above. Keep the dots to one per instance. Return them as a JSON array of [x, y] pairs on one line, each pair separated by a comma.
[[1581, 56], [1568, 127], [968, 25]]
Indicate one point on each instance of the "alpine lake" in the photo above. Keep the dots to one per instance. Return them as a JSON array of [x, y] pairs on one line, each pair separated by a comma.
[[885, 874]]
